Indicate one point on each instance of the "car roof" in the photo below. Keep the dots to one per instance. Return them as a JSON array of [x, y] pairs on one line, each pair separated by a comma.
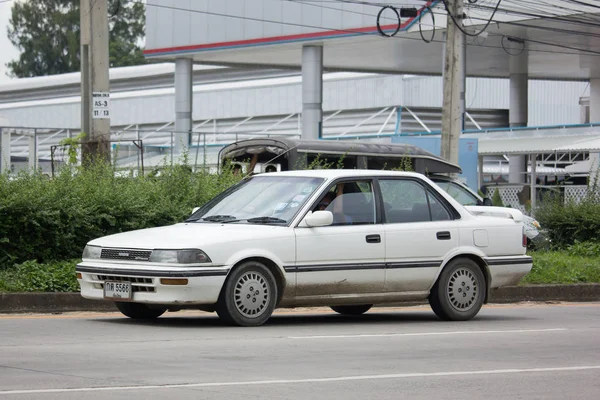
[[341, 173]]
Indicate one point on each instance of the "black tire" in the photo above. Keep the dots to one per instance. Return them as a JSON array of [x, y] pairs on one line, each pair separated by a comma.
[[459, 292], [249, 295], [352, 310], [139, 311]]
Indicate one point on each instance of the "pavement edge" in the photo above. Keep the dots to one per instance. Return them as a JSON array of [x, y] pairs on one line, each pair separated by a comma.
[[69, 302]]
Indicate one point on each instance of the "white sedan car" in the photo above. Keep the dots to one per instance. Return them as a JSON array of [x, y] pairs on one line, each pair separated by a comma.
[[347, 239]]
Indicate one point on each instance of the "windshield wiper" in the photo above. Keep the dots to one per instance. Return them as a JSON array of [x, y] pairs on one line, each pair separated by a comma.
[[266, 220], [219, 218]]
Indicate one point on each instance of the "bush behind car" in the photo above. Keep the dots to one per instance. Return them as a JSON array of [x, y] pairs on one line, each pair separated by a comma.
[[51, 219]]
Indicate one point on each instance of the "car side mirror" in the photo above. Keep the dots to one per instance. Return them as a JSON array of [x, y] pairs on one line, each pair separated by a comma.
[[319, 218], [195, 209], [488, 202]]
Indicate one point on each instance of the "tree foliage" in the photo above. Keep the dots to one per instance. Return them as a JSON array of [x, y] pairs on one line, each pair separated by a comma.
[[47, 33]]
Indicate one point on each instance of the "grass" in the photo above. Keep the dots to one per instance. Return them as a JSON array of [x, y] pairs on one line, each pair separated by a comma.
[[563, 267]]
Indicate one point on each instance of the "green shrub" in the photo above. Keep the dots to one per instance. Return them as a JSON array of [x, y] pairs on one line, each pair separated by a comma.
[[31, 276], [570, 223], [563, 267], [496, 199], [52, 219]]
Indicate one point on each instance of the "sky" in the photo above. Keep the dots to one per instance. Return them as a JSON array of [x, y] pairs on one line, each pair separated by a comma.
[[7, 51]]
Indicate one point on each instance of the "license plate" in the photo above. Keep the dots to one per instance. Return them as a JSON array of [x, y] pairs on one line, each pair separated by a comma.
[[117, 290]]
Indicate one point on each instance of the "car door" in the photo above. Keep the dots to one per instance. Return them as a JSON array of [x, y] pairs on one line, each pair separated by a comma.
[[346, 257], [420, 231]]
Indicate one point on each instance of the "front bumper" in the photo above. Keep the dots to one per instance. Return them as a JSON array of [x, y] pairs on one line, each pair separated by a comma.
[[203, 287]]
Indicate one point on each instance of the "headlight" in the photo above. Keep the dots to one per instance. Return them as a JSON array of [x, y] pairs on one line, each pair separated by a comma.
[[188, 256], [92, 252]]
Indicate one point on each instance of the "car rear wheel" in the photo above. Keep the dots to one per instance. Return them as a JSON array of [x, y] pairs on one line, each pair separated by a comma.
[[352, 310], [139, 311], [249, 295], [459, 291]]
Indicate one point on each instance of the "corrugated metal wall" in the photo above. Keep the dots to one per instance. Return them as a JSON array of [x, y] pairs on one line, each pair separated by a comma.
[[550, 102], [555, 102]]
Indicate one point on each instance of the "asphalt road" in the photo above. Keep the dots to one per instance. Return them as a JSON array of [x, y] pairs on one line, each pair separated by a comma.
[[507, 352]]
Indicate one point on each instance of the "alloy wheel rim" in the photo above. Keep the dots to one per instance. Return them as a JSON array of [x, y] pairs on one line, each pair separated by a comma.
[[251, 294], [463, 289]]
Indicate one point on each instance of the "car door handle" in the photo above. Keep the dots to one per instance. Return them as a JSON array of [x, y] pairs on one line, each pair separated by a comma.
[[373, 239], [443, 235]]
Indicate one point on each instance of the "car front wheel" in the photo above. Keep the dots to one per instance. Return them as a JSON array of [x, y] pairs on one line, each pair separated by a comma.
[[352, 310], [249, 295], [459, 292], [139, 311]]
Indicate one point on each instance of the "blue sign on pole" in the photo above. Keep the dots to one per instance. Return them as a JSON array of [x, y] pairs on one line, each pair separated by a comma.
[[467, 154]]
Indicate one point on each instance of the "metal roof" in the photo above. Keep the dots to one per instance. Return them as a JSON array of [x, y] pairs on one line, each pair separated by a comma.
[[585, 138], [560, 36]]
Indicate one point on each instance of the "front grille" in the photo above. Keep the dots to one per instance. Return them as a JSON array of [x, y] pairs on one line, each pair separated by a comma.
[[125, 254], [131, 279]]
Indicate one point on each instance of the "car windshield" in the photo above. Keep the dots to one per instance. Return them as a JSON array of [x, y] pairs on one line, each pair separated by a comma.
[[260, 200]]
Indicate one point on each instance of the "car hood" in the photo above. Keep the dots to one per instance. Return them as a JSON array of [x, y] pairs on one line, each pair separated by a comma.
[[187, 235]]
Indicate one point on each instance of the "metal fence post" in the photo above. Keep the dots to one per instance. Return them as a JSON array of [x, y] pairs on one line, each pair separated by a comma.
[[204, 157], [32, 159], [137, 137], [5, 155]]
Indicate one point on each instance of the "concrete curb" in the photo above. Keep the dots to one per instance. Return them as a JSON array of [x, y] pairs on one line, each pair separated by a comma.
[[69, 302]]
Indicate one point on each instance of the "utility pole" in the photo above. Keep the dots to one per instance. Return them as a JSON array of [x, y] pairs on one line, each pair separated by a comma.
[[95, 91], [454, 91]]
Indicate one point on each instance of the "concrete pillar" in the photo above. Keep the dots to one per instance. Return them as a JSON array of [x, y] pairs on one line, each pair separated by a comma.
[[518, 66], [517, 169], [95, 80], [595, 100], [312, 92], [183, 103], [518, 111], [5, 155]]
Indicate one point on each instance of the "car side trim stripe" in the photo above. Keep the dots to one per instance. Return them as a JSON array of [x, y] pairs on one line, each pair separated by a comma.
[[361, 266], [153, 273], [417, 264], [509, 261]]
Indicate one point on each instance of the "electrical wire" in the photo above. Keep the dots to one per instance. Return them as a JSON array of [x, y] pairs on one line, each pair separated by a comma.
[[433, 23], [381, 32], [512, 39], [458, 25], [444, 14], [556, 17]]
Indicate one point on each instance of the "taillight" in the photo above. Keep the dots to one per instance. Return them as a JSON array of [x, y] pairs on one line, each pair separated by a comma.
[[524, 237]]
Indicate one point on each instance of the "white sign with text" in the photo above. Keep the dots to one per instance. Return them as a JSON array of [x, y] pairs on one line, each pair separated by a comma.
[[101, 105]]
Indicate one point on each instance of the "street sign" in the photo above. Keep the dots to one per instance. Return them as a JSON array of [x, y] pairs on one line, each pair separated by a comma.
[[100, 105]]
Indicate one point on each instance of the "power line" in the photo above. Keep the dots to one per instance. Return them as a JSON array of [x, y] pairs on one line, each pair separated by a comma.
[[460, 27], [475, 3]]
